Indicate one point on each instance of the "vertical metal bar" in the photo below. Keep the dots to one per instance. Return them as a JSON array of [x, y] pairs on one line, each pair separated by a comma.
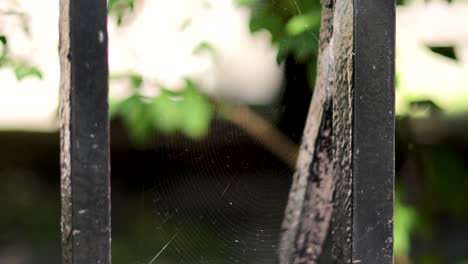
[[84, 131], [318, 217], [373, 131], [345, 214]]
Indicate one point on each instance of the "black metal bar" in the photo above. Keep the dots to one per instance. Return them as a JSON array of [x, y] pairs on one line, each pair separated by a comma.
[[345, 214], [84, 132], [373, 131]]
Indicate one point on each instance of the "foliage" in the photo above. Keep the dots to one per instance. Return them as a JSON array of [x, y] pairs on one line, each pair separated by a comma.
[[293, 25], [119, 8], [434, 172], [406, 219], [21, 68], [187, 111], [24, 70]]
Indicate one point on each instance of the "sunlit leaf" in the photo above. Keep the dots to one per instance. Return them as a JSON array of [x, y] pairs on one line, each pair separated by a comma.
[[24, 70], [166, 111], [269, 21], [119, 8], [136, 80], [204, 47], [302, 46], [197, 112], [246, 2], [301, 23], [136, 116], [405, 221]]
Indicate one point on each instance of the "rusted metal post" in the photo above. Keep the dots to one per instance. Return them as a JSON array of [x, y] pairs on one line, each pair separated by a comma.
[[340, 208], [84, 132]]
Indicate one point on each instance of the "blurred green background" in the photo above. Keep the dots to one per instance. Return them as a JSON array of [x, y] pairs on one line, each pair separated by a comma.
[[191, 168]]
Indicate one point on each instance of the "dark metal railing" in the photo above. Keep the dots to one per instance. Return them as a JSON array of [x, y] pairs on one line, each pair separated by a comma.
[[84, 127], [341, 202]]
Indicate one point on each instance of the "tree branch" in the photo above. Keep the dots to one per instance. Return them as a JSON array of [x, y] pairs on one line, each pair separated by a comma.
[[263, 132]]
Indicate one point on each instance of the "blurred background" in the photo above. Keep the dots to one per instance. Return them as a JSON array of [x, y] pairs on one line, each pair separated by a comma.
[[208, 102]]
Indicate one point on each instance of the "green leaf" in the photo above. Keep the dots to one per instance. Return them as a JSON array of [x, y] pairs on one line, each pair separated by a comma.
[[302, 23], [3, 55], [121, 107], [303, 46], [269, 21], [120, 4], [24, 70], [141, 130], [204, 47], [3, 40], [405, 222], [136, 80], [246, 2], [197, 112], [166, 111], [119, 8], [130, 108], [188, 111], [135, 114]]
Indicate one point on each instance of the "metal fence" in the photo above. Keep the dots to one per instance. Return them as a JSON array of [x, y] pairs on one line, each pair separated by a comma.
[[341, 203]]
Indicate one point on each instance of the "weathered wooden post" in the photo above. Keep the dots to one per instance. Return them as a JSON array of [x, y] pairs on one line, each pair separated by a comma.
[[340, 208], [84, 132]]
